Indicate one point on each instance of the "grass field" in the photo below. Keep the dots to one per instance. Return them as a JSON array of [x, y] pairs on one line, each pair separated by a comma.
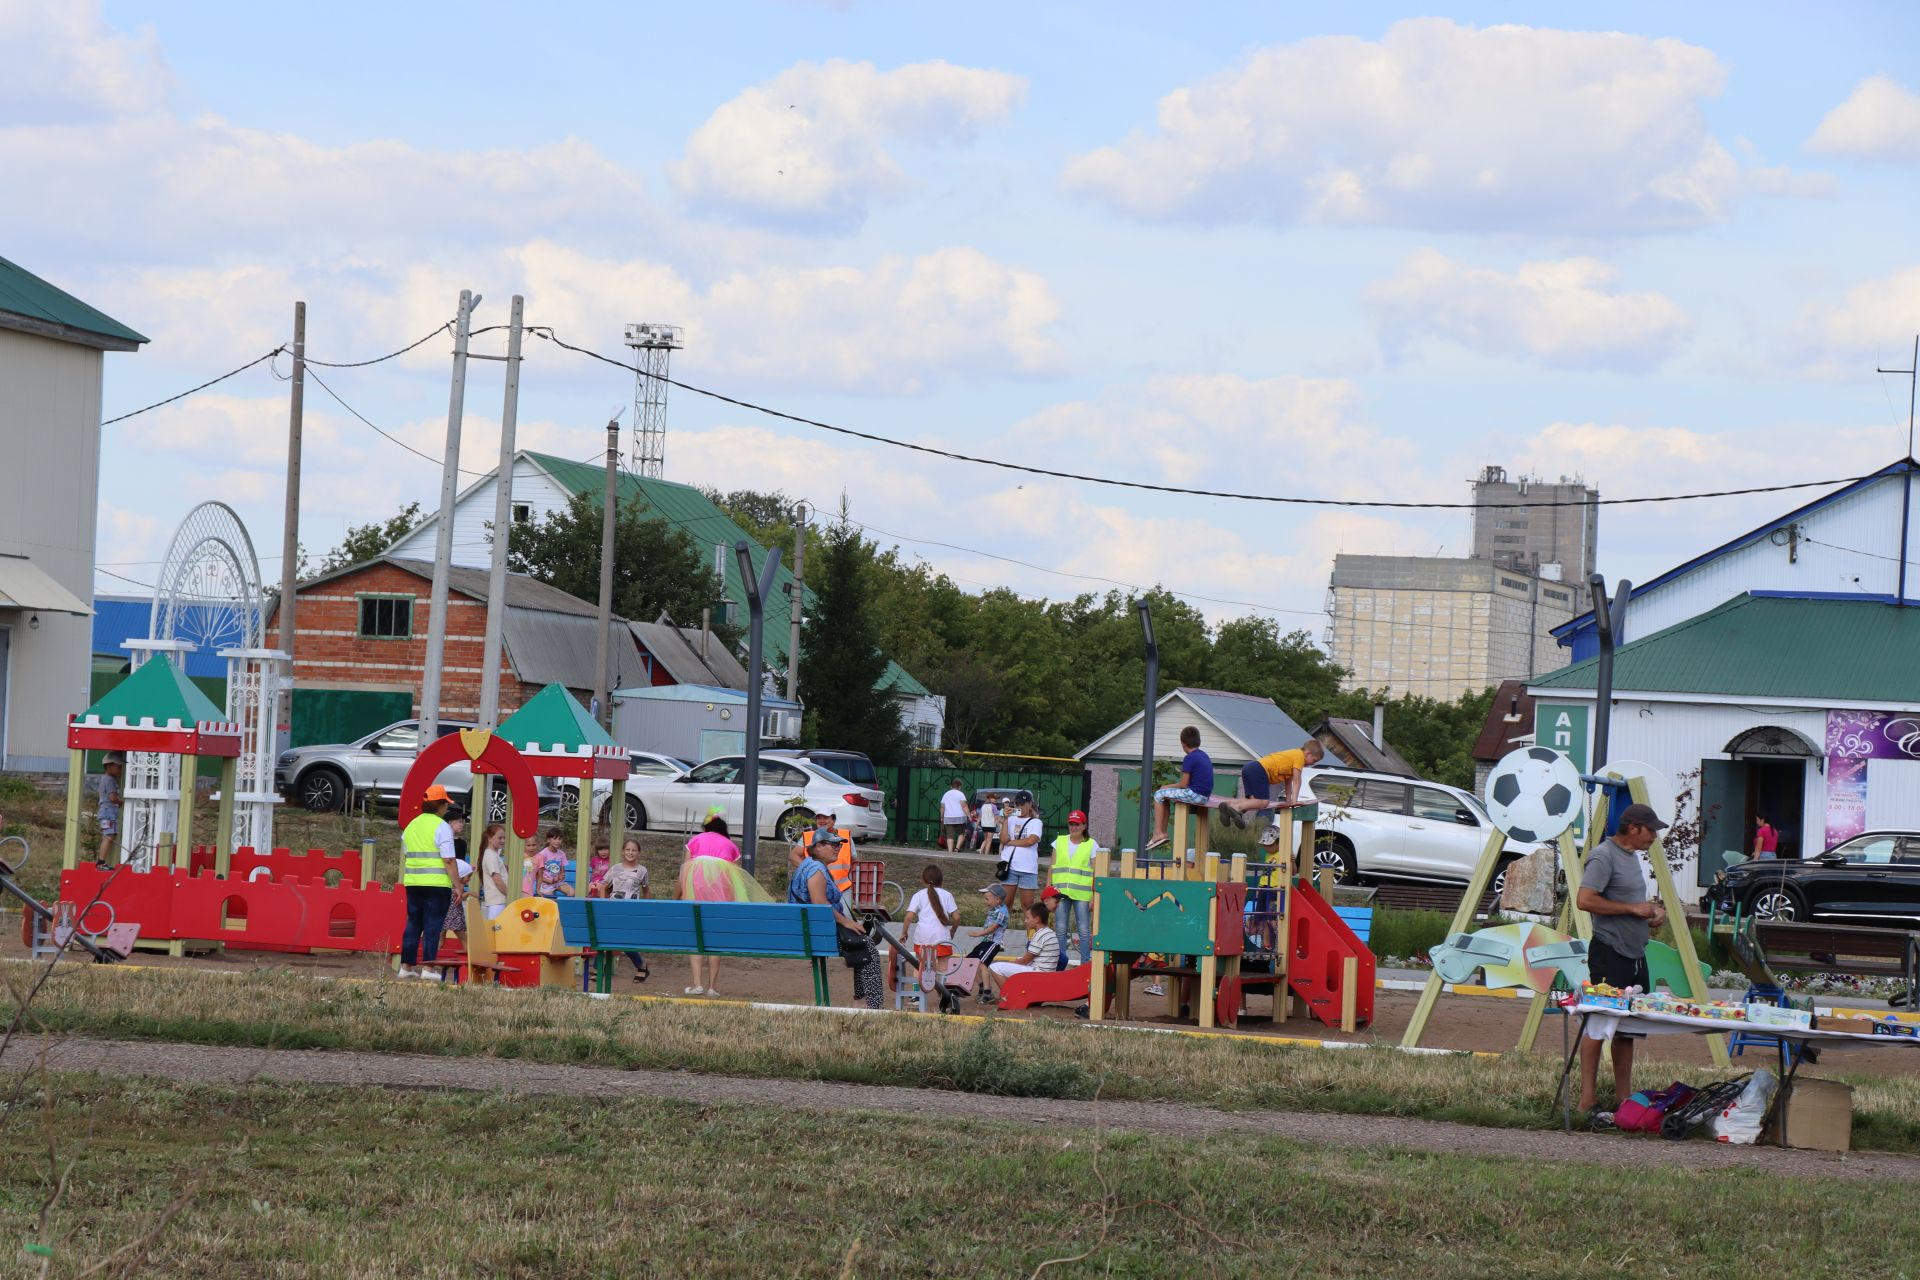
[[299, 1181], [1036, 1057]]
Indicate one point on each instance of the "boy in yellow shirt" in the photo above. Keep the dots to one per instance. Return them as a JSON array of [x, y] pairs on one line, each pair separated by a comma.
[[1259, 777]]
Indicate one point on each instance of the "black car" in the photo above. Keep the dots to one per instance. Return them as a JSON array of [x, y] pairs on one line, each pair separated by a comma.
[[1871, 879]]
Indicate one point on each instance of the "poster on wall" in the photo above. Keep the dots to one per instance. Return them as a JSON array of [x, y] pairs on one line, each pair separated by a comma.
[[1563, 726], [1853, 739]]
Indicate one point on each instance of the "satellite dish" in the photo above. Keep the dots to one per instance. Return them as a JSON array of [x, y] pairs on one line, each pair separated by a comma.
[[1534, 794]]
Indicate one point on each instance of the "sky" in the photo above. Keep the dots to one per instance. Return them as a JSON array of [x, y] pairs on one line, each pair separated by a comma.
[[1354, 252]]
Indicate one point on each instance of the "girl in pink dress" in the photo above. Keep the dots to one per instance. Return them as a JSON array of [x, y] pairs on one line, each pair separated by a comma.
[[712, 873]]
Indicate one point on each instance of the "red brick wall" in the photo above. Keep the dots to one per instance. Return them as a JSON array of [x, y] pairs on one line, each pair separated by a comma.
[[330, 653]]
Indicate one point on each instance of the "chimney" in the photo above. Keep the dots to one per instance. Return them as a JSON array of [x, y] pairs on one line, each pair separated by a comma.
[[1379, 723]]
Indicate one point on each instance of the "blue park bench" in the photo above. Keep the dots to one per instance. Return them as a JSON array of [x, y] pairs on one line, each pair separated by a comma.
[[758, 930]]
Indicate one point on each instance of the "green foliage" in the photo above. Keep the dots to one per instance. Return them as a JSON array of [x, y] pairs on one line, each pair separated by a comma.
[[364, 542], [767, 518], [982, 1063], [1407, 933], [15, 789], [840, 655], [657, 568]]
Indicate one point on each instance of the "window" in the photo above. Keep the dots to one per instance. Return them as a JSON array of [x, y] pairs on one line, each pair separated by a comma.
[[652, 768], [1551, 594], [404, 739], [1382, 797], [853, 768], [782, 776], [1435, 805], [1515, 583], [386, 617], [1871, 849], [1328, 791], [719, 771], [523, 513]]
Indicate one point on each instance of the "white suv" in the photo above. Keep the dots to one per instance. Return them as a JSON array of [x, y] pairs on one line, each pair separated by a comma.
[[1384, 826]]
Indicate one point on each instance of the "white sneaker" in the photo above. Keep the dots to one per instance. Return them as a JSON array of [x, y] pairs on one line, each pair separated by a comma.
[[696, 991], [1155, 989], [405, 972]]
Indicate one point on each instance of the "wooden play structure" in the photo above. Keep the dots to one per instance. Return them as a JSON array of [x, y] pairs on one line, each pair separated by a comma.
[[525, 944], [558, 739]]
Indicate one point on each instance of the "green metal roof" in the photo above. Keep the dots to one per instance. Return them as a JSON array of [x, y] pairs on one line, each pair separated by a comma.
[[155, 692], [1771, 647], [554, 718], [692, 511], [24, 294]]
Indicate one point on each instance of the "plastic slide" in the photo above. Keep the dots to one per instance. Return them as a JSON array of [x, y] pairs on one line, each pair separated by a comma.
[[1319, 943]]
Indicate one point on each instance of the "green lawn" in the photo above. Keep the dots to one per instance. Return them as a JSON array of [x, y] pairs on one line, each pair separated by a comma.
[[333, 1182]]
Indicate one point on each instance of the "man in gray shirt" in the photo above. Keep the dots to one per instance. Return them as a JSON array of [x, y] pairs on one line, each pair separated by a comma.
[[1613, 891]]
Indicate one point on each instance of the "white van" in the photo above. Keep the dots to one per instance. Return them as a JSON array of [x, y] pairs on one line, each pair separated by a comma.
[[1381, 826]]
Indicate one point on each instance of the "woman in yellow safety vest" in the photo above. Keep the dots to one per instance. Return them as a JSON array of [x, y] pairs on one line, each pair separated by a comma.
[[1072, 879], [432, 886]]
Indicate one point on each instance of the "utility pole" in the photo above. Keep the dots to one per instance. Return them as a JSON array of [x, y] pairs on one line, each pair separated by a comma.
[[1906, 483], [1146, 726], [290, 531], [603, 652], [797, 606], [757, 589], [443, 543], [502, 527]]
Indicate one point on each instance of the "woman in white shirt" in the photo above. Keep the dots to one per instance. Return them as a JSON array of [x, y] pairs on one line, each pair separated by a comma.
[[953, 817], [1020, 841], [930, 920]]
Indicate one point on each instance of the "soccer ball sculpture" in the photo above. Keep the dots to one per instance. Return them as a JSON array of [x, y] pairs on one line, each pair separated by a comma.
[[1534, 795]]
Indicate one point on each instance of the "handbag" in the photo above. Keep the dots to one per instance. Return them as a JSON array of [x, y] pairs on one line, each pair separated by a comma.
[[1003, 869], [855, 947]]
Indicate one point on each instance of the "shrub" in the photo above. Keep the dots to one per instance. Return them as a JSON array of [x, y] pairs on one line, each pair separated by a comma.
[[1407, 933], [982, 1063]]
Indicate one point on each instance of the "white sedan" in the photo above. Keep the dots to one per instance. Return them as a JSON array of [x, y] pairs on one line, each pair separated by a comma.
[[646, 764], [791, 792]]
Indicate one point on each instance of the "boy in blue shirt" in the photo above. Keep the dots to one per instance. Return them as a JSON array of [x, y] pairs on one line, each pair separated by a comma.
[[1196, 786]]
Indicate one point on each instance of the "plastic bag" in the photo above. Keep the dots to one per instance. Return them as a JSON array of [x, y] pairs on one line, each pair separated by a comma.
[[1741, 1123]]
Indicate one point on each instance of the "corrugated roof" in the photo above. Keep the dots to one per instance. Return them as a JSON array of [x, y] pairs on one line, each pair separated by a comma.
[[548, 647], [702, 693], [678, 650], [1767, 646], [42, 306], [554, 718], [1498, 734], [693, 512], [1357, 737], [1256, 723]]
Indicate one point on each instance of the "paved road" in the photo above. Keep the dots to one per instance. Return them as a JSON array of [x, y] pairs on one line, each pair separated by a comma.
[[209, 1064]]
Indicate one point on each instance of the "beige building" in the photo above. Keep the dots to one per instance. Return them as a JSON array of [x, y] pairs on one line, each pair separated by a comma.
[[1440, 628], [52, 347], [1559, 525]]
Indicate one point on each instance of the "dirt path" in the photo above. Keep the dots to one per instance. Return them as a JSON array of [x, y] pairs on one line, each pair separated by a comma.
[[199, 1063]]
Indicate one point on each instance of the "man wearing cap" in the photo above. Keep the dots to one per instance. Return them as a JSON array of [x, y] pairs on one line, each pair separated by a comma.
[[1072, 879], [836, 849], [1020, 833], [432, 884], [1613, 891]]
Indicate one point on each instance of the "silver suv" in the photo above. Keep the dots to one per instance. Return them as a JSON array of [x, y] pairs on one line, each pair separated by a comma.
[[329, 777], [1384, 826]]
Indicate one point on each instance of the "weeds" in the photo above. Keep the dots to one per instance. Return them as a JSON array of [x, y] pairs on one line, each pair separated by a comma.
[[983, 1063]]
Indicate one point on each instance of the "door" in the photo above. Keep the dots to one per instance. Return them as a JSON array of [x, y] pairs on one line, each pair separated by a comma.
[[1864, 888], [1376, 823], [779, 785], [383, 765], [1777, 790], [715, 783], [1444, 838], [1723, 815]]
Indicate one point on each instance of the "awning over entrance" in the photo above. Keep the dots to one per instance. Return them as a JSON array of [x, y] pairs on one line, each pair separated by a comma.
[[25, 585], [1770, 740]]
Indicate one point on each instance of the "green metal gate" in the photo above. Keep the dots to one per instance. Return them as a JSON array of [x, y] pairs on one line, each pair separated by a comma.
[[914, 791]]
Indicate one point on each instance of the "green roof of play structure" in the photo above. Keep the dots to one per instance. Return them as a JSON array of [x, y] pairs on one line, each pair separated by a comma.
[[156, 692], [554, 718]]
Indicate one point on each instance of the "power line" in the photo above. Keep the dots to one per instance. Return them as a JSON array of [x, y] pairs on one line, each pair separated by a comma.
[[391, 355], [1110, 481], [202, 387], [390, 436]]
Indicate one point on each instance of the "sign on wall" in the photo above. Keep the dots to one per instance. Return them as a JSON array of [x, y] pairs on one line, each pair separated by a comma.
[[1563, 726], [1854, 738]]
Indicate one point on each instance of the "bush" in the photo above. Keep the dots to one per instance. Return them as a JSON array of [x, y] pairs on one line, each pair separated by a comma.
[[15, 789], [1408, 933], [983, 1064]]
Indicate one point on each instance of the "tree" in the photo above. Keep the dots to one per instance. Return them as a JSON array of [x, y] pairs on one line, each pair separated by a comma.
[[657, 568], [364, 542], [767, 518], [841, 661]]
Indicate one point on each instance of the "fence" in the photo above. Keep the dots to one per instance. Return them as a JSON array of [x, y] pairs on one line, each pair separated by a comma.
[[914, 791]]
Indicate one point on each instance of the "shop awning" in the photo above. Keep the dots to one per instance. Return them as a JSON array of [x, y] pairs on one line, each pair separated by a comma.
[[25, 585]]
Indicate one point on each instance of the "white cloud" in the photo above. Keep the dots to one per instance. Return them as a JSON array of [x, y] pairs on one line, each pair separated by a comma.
[[78, 69], [1436, 125], [810, 146], [1880, 120], [1874, 318], [1566, 313]]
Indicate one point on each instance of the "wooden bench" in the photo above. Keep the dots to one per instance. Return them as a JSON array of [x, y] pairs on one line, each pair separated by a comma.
[[756, 930], [1840, 948]]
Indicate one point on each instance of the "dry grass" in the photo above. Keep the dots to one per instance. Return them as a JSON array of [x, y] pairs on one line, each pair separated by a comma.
[[293, 1011], [343, 1183]]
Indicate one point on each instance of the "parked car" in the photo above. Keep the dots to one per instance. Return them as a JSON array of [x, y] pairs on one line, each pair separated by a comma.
[[1388, 827], [328, 777], [646, 764], [1872, 879], [855, 766], [791, 792]]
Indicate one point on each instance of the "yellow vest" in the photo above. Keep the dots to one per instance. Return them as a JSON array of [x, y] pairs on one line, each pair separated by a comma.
[[425, 868], [1073, 868]]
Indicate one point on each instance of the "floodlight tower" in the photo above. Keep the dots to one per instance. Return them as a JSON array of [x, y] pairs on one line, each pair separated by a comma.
[[652, 345]]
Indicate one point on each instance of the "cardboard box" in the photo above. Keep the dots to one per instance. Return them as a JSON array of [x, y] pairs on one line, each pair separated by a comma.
[[1818, 1115], [1766, 1015]]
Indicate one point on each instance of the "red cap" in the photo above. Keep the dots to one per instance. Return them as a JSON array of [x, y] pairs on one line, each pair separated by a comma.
[[1077, 816]]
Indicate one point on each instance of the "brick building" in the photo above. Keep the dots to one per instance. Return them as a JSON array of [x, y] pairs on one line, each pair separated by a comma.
[[360, 648]]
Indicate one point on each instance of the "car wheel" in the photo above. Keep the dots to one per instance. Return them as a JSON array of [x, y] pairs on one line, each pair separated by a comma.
[[322, 790], [793, 824], [1499, 885], [569, 802], [1335, 853], [1777, 903], [497, 805], [636, 815]]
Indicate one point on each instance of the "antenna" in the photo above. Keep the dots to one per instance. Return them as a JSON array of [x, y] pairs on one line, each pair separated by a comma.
[[1913, 377], [652, 345]]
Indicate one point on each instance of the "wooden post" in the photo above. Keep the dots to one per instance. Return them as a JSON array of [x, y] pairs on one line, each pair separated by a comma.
[[516, 853], [1210, 865], [1325, 877], [189, 782], [223, 838], [617, 815], [1349, 998], [1309, 831], [1129, 864], [1209, 966], [1476, 888], [1283, 848], [1097, 977], [366, 863], [76, 791], [584, 849]]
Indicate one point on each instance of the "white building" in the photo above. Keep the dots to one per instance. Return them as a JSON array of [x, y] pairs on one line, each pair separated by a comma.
[[52, 347]]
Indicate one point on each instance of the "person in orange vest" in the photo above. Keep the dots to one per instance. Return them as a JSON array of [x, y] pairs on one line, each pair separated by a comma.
[[839, 860]]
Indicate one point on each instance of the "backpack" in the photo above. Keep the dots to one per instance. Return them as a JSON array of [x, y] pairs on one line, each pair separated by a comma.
[[1643, 1112]]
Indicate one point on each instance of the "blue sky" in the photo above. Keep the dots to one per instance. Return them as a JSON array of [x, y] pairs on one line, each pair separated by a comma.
[[1350, 251]]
